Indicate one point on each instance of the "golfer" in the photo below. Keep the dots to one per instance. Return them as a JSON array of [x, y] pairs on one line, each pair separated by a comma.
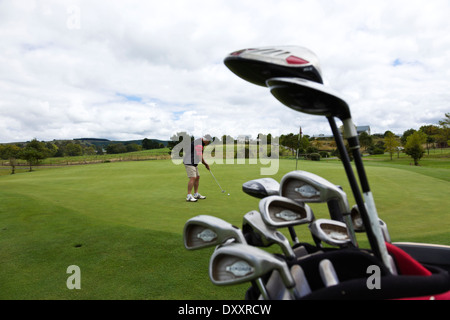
[[191, 160]]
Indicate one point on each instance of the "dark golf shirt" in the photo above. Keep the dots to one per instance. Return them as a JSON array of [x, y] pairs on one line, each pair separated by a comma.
[[193, 156]]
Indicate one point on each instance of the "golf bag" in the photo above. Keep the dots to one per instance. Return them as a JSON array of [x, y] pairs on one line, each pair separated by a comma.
[[358, 281]]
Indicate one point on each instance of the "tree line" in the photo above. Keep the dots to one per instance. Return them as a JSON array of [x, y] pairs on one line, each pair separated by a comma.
[[35, 151], [414, 143]]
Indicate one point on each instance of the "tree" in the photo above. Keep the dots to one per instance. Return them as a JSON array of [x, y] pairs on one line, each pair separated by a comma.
[[73, 150], [116, 148], [133, 147], [34, 152], [406, 134], [11, 153], [414, 146], [365, 140], [148, 144], [443, 138], [446, 121], [390, 142], [291, 141], [432, 132]]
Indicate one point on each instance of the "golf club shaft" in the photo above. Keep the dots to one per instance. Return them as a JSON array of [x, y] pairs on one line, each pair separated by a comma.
[[293, 234], [262, 289], [216, 181], [372, 236], [368, 197]]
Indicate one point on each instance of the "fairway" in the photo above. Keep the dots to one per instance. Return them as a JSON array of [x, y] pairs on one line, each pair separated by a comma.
[[122, 224]]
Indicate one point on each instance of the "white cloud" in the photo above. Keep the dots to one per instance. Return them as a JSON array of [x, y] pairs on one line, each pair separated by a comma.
[[67, 68]]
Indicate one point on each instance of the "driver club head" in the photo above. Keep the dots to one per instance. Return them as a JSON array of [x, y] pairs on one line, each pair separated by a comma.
[[257, 65], [206, 231], [309, 97], [261, 188]]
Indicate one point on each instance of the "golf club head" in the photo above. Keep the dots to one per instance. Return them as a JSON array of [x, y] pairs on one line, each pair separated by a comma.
[[280, 212], [258, 234], [257, 65], [359, 226], [261, 188], [306, 187], [333, 232], [206, 231], [238, 263], [309, 97]]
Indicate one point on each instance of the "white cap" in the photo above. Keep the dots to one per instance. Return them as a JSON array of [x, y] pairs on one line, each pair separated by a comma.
[[207, 137]]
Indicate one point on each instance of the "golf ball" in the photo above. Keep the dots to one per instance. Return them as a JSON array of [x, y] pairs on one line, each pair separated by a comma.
[[228, 194]]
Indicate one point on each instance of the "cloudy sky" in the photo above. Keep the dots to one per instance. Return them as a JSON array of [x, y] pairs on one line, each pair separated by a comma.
[[126, 70]]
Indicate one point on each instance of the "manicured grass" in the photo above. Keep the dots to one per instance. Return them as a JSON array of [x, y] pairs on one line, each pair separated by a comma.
[[122, 224]]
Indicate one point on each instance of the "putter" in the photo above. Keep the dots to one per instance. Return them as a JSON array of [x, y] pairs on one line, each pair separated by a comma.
[[281, 212], [207, 231], [314, 98], [258, 234], [307, 187], [257, 65], [238, 263], [223, 191]]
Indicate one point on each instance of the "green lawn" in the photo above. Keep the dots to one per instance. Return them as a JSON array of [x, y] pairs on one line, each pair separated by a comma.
[[122, 224]]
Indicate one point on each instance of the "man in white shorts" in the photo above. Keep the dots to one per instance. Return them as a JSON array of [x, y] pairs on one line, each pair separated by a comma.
[[191, 161]]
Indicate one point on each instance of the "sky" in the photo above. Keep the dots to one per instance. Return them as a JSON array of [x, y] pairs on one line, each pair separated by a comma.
[[126, 70]]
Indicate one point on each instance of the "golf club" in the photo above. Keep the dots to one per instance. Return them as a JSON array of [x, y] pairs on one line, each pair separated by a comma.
[[281, 212], [333, 232], [265, 187], [257, 65], [207, 231], [238, 263], [307, 187], [258, 234], [359, 227], [278, 291], [223, 191], [261, 188], [327, 273], [314, 98]]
